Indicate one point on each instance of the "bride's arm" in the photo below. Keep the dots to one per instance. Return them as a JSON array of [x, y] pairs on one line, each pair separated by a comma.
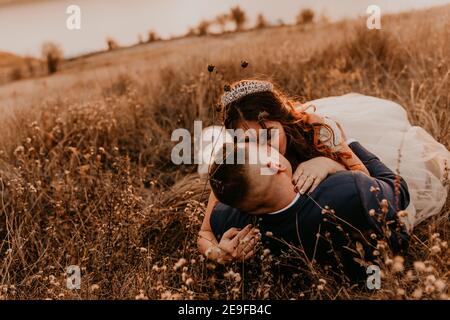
[[206, 238]]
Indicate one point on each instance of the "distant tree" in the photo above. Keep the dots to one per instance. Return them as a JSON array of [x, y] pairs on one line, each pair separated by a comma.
[[261, 22], [153, 36], [52, 55], [16, 74], [238, 16], [306, 16], [191, 32], [222, 20], [203, 27], [112, 44]]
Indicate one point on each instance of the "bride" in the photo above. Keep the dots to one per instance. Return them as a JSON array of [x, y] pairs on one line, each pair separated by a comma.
[[314, 137]]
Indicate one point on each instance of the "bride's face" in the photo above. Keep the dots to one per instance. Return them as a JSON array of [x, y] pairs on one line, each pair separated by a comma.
[[276, 136]]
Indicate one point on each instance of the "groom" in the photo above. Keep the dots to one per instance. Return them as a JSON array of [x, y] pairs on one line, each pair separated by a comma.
[[346, 207]]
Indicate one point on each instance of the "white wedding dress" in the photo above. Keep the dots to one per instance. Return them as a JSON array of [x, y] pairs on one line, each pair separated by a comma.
[[383, 128]]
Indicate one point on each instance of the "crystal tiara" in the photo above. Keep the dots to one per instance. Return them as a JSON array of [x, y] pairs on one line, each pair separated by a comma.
[[243, 88]]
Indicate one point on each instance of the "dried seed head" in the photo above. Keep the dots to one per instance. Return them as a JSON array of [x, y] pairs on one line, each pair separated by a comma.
[[435, 250], [398, 265], [401, 292], [440, 285], [94, 287], [435, 236], [429, 289], [179, 264], [430, 280], [417, 294], [419, 266], [141, 296], [402, 214]]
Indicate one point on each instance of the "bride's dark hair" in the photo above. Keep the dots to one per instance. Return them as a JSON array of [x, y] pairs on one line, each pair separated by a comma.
[[302, 137]]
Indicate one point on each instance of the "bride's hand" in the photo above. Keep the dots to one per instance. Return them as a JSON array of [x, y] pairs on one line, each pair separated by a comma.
[[311, 173]]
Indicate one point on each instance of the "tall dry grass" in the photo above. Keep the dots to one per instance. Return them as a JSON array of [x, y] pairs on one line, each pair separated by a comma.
[[86, 177]]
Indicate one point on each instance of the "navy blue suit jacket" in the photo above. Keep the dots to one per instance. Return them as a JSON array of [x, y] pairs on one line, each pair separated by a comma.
[[352, 195]]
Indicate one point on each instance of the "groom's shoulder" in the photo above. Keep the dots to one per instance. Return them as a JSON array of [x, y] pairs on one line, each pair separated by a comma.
[[338, 191], [341, 190], [346, 176], [342, 184]]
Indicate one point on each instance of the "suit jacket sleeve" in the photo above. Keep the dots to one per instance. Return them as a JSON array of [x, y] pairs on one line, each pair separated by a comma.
[[392, 187], [224, 217]]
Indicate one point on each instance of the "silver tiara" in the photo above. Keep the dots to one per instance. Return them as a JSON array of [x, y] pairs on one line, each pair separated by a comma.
[[245, 87]]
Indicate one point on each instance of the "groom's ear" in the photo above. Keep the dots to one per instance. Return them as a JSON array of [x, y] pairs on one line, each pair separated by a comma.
[[276, 167]]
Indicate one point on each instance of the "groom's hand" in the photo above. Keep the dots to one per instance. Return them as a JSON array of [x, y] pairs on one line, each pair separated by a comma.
[[237, 244]]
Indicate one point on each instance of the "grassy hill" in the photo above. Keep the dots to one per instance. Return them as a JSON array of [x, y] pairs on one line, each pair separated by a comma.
[[14, 67]]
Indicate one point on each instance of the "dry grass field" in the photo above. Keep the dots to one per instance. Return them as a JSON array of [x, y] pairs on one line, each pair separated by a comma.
[[86, 177]]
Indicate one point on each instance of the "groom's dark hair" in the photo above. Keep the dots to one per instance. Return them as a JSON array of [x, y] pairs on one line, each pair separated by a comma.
[[229, 179]]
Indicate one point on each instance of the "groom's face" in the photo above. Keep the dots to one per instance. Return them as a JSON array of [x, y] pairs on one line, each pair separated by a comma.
[[269, 172]]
